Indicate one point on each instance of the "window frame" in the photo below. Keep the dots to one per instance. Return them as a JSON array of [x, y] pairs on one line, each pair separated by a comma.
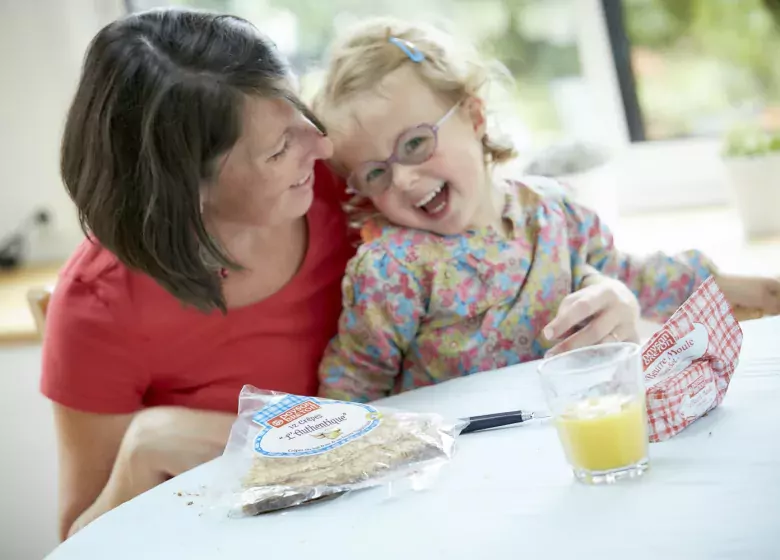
[[614, 18]]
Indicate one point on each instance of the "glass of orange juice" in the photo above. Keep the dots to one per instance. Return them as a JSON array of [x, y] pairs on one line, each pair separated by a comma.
[[597, 398]]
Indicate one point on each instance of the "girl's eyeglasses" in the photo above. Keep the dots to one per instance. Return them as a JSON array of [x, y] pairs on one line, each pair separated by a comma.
[[412, 147]]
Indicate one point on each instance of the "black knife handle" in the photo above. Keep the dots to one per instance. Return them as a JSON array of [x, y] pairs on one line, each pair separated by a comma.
[[488, 421]]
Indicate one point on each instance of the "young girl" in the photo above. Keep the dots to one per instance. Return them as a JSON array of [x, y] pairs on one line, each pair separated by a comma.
[[458, 272]]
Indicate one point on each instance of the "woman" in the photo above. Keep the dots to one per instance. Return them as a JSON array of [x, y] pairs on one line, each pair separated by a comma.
[[216, 248], [220, 249]]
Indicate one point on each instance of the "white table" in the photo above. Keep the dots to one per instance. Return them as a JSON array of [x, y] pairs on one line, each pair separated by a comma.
[[712, 492]]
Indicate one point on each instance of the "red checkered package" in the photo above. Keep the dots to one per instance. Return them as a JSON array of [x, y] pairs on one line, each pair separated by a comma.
[[688, 364]]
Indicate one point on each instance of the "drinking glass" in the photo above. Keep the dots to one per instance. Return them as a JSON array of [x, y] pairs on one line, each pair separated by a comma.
[[597, 398]]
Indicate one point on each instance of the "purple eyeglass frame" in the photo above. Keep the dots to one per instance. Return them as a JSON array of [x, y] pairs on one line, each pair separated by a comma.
[[394, 158]]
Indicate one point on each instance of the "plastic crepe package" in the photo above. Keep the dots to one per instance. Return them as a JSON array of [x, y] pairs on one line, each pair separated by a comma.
[[288, 450], [688, 364]]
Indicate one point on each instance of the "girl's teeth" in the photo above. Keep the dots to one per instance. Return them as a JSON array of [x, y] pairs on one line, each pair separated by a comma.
[[430, 197]]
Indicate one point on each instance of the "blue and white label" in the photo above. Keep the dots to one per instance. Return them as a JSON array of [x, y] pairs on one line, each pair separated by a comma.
[[297, 426]]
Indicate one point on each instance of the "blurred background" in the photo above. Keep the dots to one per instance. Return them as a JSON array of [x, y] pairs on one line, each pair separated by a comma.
[[658, 113], [694, 68]]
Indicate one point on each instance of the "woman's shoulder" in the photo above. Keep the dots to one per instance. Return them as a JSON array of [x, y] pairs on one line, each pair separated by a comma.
[[88, 262], [107, 292], [91, 273], [89, 342]]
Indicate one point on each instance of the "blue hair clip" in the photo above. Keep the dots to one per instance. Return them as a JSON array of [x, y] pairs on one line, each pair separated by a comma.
[[409, 49]]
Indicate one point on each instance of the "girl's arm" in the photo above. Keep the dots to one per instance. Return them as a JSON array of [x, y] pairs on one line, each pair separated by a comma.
[[661, 282], [383, 306]]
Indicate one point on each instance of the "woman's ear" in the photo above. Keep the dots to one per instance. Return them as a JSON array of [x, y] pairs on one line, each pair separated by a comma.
[[475, 108]]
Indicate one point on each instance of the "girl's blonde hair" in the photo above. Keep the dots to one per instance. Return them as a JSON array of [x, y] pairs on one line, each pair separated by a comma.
[[364, 55]]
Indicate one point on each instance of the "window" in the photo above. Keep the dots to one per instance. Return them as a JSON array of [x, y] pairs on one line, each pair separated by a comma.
[[615, 73], [696, 68], [535, 39]]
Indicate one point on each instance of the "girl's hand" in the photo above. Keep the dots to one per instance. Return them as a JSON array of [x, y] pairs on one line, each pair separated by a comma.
[[606, 307], [750, 296]]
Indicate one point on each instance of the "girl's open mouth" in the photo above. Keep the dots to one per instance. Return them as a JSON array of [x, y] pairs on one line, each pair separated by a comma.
[[436, 203]]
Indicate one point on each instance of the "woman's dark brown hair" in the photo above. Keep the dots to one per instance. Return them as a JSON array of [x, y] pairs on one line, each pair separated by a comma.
[[159, 100]]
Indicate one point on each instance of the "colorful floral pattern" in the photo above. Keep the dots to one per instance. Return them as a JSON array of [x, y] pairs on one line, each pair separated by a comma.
[[421, 308]]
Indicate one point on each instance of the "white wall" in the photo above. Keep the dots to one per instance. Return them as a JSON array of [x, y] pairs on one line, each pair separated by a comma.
[[28, 469], [41, 47]]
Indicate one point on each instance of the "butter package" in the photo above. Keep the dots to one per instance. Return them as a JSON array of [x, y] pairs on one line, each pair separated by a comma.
[[688, 364]]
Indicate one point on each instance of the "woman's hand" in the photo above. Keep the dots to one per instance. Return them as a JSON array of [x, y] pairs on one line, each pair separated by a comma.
[[750, 296], [173, 440], [607, 309], [160, 443]]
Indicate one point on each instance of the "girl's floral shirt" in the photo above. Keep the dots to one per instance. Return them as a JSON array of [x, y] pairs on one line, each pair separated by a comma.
[[420, 308]]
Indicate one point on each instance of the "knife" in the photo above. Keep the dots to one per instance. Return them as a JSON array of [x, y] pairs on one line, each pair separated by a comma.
[[498, 419]]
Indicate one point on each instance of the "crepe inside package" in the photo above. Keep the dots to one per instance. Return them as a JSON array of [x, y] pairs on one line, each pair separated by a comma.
[[288, 450], [688, 364]]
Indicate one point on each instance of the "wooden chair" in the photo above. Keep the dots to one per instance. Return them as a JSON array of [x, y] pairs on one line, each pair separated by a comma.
[[38, 300]]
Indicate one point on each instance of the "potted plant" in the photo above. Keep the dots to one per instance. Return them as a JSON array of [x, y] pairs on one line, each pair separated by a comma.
[[752, 160]]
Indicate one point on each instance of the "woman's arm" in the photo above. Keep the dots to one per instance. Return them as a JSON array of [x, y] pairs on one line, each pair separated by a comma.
[[87, 446], [106, 460]]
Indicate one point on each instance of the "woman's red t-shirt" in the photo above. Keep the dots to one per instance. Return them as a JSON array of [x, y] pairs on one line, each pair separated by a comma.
[[115, 341]]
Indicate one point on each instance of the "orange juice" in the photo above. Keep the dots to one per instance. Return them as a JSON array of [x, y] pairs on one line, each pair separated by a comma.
[[604, 433]]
